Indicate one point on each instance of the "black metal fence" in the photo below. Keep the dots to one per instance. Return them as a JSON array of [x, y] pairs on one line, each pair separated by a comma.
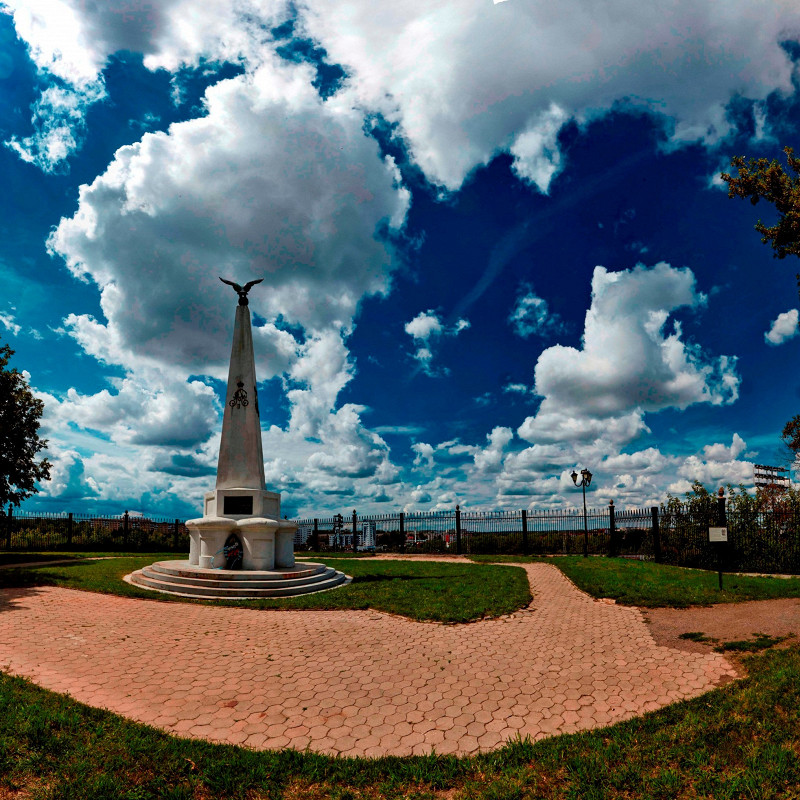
[[758, 540], [564, 531], [21, 530]]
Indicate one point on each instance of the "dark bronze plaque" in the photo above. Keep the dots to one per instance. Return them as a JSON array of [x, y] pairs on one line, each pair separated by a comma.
[[238, 505]]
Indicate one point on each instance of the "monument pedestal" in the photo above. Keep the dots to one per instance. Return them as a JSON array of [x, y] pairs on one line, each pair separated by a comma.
[[267, 540]]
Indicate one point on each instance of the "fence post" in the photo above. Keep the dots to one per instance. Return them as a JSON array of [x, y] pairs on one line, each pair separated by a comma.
[[656, 535], [315, 535], [458, 529], [69, 529], [9, 525], [125, 521], [175, 534], [612, 529], [355, 525], [402, 532], [524, 532], [722, 516]]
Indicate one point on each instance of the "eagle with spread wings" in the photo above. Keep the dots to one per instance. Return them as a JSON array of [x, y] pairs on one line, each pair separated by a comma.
[[242, 290]]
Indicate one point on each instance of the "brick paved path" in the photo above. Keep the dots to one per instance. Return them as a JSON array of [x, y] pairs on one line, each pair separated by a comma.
[[351, 682]]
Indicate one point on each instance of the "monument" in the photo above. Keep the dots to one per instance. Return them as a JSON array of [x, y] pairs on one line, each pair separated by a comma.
[[240, 547], [240, 504]]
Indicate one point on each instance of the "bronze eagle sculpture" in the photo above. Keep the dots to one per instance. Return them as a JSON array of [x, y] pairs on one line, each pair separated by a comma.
[[242, 290]]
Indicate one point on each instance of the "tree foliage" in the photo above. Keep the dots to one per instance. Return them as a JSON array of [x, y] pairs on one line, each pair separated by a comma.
[[761, 179], [791, 434], [20, 413], [698, 502]]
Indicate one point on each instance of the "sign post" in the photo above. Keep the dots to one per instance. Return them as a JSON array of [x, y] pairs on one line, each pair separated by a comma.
[[718, 535]]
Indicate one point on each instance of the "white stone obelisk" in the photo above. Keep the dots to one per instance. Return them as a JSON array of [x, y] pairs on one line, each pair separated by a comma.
[[240, 503], [241, 461]]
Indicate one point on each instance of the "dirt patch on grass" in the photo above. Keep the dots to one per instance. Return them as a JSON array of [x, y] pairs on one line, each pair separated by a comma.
[[725, 622]]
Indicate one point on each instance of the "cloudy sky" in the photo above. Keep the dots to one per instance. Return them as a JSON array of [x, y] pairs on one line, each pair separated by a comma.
[[493, 236]]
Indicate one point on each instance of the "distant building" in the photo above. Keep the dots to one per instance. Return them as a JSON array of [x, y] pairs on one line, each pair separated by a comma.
[[367, 538], [301, 535], [771, 478]]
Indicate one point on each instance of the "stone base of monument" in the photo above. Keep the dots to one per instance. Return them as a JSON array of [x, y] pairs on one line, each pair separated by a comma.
[[265, 543], [187, 580]]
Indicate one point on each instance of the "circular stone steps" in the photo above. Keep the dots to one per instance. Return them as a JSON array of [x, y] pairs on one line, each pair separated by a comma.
[[182, 578]]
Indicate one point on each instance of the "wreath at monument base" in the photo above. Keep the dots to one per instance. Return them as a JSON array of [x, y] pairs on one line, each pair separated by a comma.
[[232, 550]]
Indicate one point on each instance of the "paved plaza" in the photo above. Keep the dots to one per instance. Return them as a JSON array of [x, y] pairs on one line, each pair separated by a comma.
[[358, 683]]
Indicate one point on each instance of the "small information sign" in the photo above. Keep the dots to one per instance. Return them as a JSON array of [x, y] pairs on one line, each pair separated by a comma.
[[717, 534]]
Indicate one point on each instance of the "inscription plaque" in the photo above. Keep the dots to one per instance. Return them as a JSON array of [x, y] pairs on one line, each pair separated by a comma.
[[238, 505]]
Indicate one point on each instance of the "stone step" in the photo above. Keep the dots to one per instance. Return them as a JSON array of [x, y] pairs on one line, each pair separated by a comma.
[[240, 593], [210, 578], [184, 569]]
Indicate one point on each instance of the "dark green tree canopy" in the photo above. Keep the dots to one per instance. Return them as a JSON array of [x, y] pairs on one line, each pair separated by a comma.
[[791, 434], [760, 179], [20, 413]]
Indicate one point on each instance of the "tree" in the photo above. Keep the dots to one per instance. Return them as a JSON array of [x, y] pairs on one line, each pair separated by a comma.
[[761, 179], [791, 435], [20, 413]]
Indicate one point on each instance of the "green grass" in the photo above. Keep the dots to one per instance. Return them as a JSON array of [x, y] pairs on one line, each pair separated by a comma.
[[740, 741], [697, 636], [444, 592], [16, 557], [21, 558], [645, 583], [316, 555], [760, 641]]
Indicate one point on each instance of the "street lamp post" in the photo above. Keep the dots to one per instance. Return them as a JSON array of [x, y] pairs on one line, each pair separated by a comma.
[[586, 479]]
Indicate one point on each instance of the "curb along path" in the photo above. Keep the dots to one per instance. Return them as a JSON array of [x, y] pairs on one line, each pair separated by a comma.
[[356, 683]]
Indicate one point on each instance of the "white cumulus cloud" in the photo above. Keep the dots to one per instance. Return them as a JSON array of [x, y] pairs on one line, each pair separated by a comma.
[[465, 80], [631, 362], [783, 328], [425, 329], [227, 194], [718, 464], [71, 41]]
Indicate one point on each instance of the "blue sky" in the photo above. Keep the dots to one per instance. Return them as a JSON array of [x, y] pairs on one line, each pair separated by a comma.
[[494, 241]]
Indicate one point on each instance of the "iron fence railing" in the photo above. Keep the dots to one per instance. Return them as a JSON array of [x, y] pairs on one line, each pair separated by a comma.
[[762, 541], [758, 540], [20, 530], [562, 531]]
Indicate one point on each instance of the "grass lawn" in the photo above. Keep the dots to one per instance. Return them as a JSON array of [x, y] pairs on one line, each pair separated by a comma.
[[21, 558], [737, 741], [645, 583], [49, 555], [420, 590], [328, 554]]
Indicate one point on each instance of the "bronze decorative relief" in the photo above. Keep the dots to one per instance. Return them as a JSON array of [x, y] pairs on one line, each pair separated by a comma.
[[239, 398]]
